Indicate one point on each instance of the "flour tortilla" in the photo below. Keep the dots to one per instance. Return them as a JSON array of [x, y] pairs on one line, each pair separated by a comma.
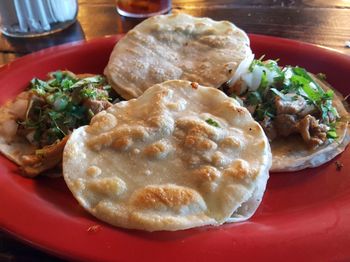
[[179, 156], [291, 153], [176, 46]]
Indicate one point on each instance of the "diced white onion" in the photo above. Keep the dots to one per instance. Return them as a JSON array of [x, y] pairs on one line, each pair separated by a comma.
[[243, 68]]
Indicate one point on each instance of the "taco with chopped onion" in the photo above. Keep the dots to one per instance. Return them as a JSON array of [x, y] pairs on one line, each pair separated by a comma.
[[306, 121], [35, 125]]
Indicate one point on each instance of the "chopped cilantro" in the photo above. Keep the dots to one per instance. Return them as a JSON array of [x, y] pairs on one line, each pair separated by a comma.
[[264, 110], [278, 93], [67, 84], [38, 86], [58, 105], [58, 75], [279, 81], [212, 122], [332, 134], [254, 98], [264, 82]]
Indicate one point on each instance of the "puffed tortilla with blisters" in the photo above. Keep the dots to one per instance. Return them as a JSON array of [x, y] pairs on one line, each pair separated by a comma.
[[176, 46], [179, 156]]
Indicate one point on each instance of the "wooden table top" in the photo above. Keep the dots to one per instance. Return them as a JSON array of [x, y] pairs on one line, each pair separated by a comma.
[[322, 22]]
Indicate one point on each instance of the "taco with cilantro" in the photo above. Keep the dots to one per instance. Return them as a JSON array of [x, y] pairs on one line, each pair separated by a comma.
[[35, 126], [306, 121]]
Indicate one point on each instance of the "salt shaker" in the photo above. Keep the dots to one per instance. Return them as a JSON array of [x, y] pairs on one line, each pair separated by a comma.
[[29, 18]]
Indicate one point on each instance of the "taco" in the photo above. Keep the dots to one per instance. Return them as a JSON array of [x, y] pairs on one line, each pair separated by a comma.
[[35, 125], [306, 121]]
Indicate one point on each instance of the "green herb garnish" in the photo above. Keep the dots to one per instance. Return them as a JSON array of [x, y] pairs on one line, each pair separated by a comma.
[[212, 122], [254, 98], [58, 105], [280, 81]]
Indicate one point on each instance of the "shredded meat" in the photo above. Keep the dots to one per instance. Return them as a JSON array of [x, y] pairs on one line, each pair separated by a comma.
[[12, 112], [49, 157], [309, 109], [286, 124], [20, 105], [312, 132], [238, 88], [268, 125], [97, 106], [293, 116], [8, 129], [292, 105]]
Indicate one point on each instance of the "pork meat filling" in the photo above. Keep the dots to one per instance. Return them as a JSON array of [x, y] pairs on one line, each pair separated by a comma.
[[295, 116]]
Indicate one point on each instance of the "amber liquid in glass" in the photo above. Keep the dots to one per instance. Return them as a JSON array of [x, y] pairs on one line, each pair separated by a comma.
[[143, 8]]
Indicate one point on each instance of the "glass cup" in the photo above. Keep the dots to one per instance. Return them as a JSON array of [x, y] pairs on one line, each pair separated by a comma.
[[29, 18], [143, 8]]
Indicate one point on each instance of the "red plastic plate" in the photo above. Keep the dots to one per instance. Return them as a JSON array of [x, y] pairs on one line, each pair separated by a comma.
[[304, 216]]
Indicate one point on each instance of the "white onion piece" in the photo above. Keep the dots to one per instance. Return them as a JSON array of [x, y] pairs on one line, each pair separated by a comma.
[[30, 137], [242, 69]]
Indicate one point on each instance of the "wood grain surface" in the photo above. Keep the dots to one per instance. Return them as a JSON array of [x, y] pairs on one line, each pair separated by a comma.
[[319, 22]]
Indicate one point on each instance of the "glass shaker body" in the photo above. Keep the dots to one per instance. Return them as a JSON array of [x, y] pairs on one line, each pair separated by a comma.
[[20, 18]]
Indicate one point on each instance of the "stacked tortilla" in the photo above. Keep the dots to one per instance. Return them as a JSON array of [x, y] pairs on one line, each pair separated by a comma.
[[179, 156]]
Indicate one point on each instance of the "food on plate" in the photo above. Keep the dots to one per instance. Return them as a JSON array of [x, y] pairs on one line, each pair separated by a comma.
[[306, 121], [176, 46], [303, 117], [179, 156], [35, 126]]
